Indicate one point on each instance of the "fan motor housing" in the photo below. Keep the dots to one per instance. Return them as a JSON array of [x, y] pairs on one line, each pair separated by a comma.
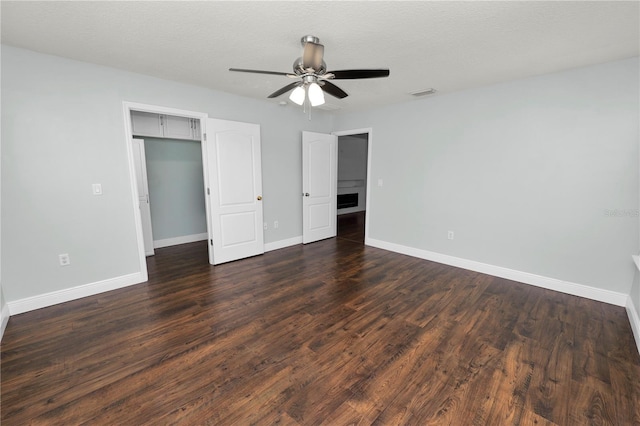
[[299, 70]]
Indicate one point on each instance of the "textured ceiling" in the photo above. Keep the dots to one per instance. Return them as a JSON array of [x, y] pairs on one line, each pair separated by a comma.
[[446, 45]]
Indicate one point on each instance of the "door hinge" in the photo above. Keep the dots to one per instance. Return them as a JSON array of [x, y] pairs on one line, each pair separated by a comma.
[[210, 242], [204, 135], [208, 192]]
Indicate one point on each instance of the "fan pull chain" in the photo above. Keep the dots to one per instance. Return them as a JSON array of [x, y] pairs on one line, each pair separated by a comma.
[[306, 106]]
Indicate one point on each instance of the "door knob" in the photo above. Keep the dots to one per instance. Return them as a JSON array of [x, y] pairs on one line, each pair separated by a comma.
[[259, 197], [306, 194]]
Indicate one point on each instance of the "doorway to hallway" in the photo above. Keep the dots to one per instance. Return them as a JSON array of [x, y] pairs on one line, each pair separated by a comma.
[[351, 226], [353, 150]]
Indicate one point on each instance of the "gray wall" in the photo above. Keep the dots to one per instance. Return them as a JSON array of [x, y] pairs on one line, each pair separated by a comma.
[[352, 157], [63, 129], [523, 172], [176, 187]]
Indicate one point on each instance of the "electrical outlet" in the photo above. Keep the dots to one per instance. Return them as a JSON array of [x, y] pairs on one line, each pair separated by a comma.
[[264, 225], [64, 259], [450, 235], [379, 182], [275, 224]]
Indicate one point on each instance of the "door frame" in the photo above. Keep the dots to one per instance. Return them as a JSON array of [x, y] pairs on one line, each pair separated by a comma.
[[127, 107], [369, 132]]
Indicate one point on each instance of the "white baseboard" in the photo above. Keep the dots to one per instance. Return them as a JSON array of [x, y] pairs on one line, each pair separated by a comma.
[[68, 294], [4, 315], [634, 319], [283, 243], [49, 299], [601, 295], [179, 240]]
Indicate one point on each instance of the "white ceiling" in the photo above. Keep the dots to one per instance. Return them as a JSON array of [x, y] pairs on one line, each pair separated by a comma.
[[446, 45]]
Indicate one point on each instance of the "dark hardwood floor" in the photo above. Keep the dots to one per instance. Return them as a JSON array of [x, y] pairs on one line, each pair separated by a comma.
[[350, 227], [330, 333]]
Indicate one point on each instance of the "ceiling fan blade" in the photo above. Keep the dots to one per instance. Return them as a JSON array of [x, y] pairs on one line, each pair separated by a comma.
[[259, 71], [284, 89], [333, 90], [354, 74], [312, 55]]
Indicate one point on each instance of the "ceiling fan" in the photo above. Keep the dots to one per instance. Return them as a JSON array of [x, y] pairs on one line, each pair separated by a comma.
[[312, 77]]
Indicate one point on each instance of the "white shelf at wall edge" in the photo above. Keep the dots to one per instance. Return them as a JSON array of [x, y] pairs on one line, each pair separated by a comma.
[[636, 260]]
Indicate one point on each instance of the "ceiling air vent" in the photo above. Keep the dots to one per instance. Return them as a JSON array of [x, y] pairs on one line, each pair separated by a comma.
[[424, 92]]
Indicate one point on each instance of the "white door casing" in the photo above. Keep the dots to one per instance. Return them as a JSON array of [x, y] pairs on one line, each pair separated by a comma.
[[234, 173], [369, 132], [140, 165], [129, 109], [319, 186]]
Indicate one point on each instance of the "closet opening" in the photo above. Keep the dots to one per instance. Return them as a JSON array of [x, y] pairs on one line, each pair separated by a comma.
[[168, 163]]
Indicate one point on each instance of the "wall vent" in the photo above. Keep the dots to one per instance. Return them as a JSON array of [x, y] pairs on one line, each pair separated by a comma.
[[424, 92]]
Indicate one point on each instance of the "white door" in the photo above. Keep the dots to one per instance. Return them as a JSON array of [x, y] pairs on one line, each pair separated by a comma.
[[319, 181], [234, 176], [140, 165]]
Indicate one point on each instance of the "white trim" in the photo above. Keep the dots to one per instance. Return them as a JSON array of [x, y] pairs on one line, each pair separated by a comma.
[[127, 107], [137, 217], [283, 243], [636, 260], [4, 315], [73, 293], [601, 295], [369, 132], [180, 240], [634, 319]]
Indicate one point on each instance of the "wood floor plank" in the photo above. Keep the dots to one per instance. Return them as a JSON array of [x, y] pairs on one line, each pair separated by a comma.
[[327, 333], [501, 399], [550, 391], [591, 406]]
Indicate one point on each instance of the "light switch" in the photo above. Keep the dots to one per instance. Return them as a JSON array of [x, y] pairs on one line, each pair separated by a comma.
[[379, 182], [97, 189]]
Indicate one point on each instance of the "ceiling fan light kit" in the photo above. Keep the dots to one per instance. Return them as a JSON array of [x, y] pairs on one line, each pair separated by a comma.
[[298, 95], [311, 70], [316, 97]]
